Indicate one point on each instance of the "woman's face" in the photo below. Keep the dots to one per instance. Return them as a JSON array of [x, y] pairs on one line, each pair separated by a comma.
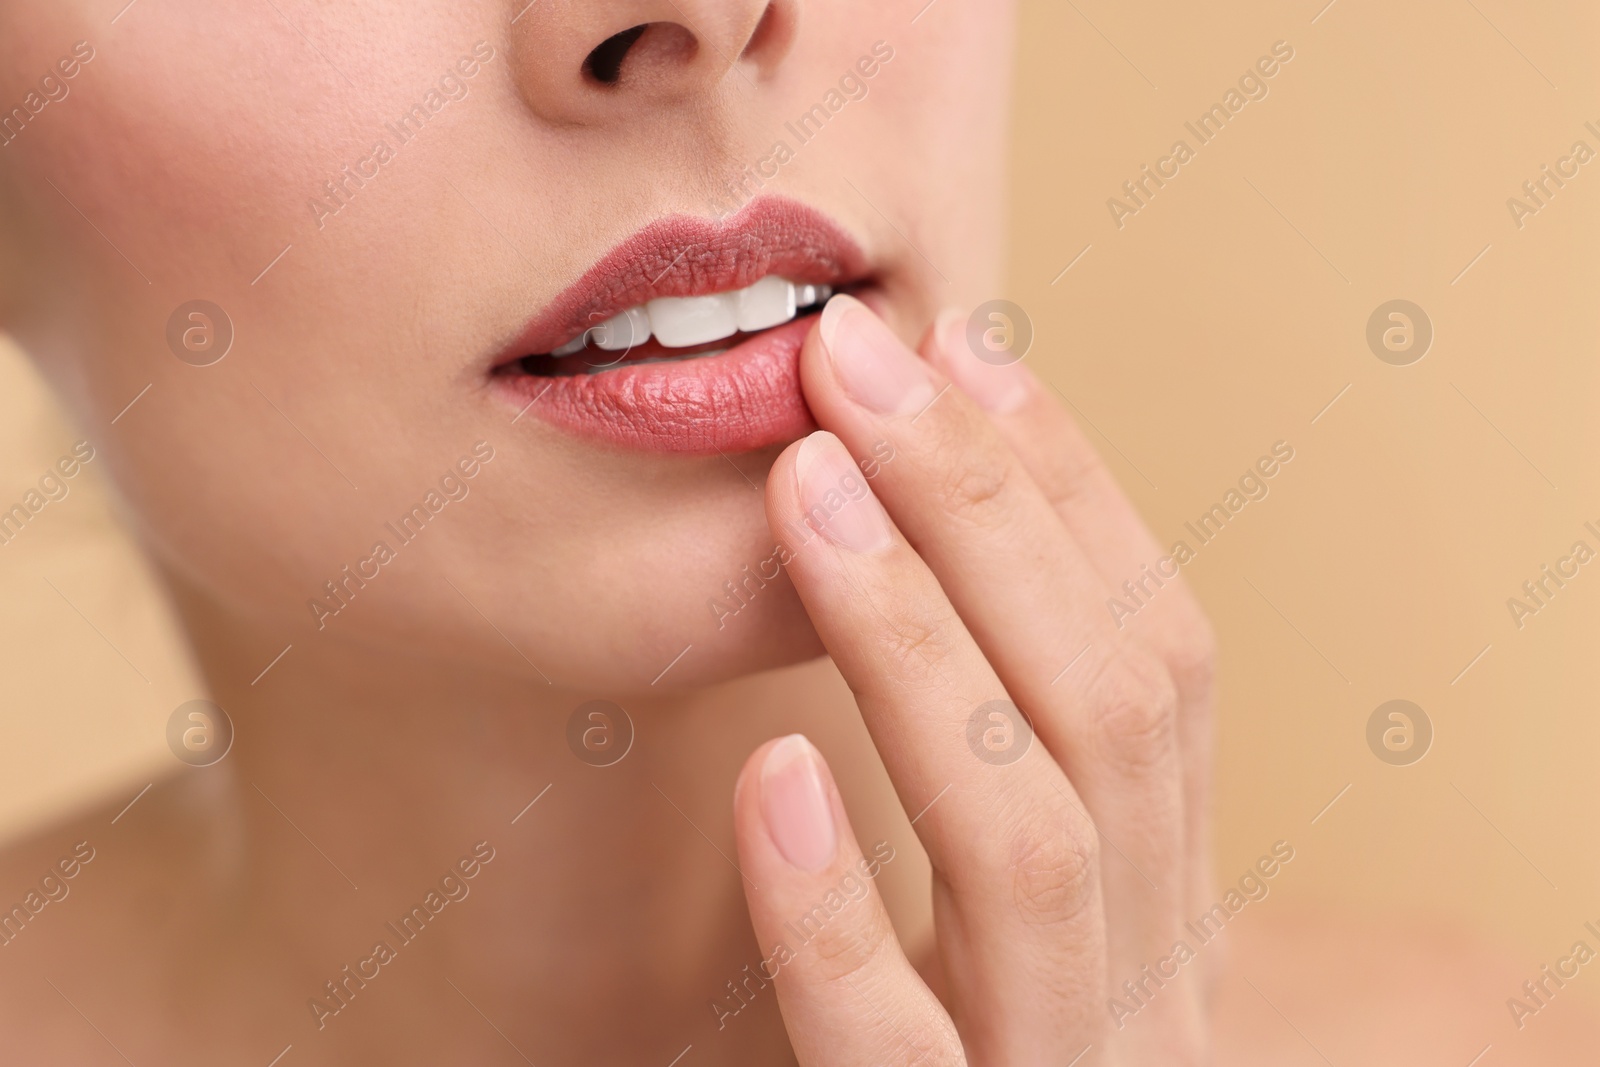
[[387, 205]]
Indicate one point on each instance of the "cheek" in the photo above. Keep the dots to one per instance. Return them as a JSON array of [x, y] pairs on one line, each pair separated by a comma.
[[212, 126], [189, 152]]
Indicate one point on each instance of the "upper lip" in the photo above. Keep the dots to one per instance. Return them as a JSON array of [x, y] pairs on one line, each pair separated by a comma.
[[685, 255]]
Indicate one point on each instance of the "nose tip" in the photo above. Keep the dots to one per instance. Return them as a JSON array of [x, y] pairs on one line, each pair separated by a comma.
[[586, 63]]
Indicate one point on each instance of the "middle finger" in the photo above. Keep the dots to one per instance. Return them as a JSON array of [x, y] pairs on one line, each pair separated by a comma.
[[1103, 705], [1017, 889]]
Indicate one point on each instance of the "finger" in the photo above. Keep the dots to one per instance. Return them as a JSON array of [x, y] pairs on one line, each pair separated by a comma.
[[1017, 894], [1103, 705], [1154, 603], [848, 994]]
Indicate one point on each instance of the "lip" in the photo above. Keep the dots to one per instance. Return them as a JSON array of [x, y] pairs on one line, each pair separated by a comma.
[[746, 398]]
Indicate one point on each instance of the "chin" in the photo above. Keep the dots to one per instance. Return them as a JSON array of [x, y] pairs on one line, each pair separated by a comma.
[[761, 638], [690, 647]]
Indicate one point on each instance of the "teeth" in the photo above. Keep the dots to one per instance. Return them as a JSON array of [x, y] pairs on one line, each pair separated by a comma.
[[808, 295], [621, 332], [769, 302], [681, 321], [684, 321]]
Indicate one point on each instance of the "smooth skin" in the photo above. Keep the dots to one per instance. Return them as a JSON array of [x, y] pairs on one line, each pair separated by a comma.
[[431, 712], [982, 587], [965, 571]]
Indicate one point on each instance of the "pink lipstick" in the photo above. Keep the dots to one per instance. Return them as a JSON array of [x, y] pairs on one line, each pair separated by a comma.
[[686, 336]]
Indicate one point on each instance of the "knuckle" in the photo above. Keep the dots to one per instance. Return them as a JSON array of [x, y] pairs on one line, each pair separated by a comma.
[[973, 489], [844, 954], [914, 640], [930, 1045], [920, 1044], [1185, 641], [1192, 657], [1071, 485], [1055, 861], [844, 950], [1134, 712]]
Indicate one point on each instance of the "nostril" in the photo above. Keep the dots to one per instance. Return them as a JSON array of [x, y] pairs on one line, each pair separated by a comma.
[[604, 64], [652, 52]]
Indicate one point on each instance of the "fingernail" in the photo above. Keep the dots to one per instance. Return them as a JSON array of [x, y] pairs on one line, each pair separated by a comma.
[[795, 804], [875, 368], [999, 390], [838, 505]]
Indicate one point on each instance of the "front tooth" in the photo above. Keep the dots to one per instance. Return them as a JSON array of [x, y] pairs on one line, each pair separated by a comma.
[[681, 321], [574, 345], [807, 296], [623, 331], [769, 302]]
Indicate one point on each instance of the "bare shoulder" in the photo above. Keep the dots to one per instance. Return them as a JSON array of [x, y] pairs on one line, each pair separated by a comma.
[[52, 887], [88, 917], [1314, 989]]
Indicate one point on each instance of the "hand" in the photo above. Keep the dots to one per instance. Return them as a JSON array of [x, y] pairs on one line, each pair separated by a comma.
[[1064, 863]]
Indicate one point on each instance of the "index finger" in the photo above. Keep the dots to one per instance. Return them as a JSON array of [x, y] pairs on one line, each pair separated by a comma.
[[1017, 892]]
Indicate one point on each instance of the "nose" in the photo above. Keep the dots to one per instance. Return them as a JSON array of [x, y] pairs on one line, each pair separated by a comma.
[[588, 62]]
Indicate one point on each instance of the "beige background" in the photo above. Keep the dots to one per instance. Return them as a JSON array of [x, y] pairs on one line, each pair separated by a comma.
[[1223, 317]]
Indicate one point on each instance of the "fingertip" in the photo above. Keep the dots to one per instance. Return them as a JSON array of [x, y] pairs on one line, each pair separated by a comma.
[[855, 370], [787, 793], [743, 791], [835, 500], [797, 803], [747, 820], [816, 374], [835, 309], [996, 382], [782, 494], [780, 475], [944, 337], [816, 488]]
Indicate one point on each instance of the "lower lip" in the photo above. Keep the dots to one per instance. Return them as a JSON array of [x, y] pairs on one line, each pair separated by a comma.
[[737, 401]]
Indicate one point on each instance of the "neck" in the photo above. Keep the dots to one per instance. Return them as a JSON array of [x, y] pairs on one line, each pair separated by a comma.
[[360, 778]]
